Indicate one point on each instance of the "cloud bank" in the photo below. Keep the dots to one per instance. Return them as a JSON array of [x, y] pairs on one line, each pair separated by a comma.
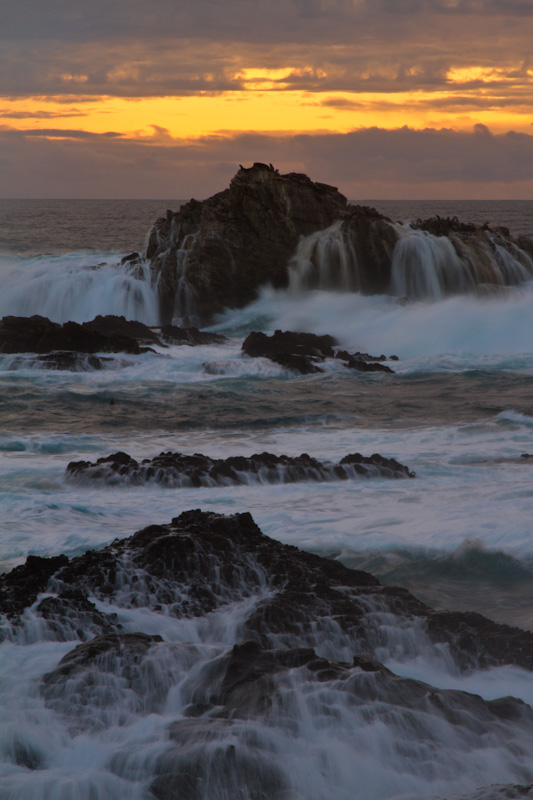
[[371, 163]]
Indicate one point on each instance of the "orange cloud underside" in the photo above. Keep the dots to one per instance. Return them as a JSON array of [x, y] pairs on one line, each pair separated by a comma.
[[266, 106]]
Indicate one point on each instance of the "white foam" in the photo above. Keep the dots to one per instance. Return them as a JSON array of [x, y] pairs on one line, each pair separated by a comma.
[[78, 287]]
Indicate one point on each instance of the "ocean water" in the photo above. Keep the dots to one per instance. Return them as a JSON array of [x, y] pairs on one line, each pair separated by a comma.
[[458, 411]]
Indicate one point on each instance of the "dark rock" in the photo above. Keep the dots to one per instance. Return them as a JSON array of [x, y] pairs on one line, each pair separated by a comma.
[[65, 360], [71, 615], [202, 561], [108, 680], [363, 362], [229, 245], [134, 644], [130, 258], [300, 352], [296, 351], [473, 639], [39, 335], [443, 226], [71, 346], [114, 327], [178, 470], [217, 253], [172, 334], [20, 587], [250, 682]]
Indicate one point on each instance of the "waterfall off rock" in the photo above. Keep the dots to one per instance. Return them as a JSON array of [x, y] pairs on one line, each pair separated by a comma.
[[287, 231]]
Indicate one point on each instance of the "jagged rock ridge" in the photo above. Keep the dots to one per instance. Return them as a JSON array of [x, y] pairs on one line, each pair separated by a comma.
[[178, 470]]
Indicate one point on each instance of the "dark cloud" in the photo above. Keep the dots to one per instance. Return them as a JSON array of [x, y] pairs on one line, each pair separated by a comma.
[[39, 114], [61, 133], [166, 47], [366, 163]]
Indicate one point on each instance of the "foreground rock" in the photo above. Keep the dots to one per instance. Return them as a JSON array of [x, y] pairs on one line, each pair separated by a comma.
[[56, 344], [203, 561], [177, 470], [274, 660], [287, 230], [304, 352]]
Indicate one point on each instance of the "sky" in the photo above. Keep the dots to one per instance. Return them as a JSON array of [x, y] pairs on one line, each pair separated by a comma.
[[386, 99]]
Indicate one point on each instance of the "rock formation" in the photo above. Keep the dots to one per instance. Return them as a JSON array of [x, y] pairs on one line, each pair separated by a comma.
[[177, 470], [302, 661], [303, 352], [59, 346], [286, 230], [202, 561]]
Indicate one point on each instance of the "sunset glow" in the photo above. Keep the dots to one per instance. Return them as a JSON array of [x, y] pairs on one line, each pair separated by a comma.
[[316, 68]]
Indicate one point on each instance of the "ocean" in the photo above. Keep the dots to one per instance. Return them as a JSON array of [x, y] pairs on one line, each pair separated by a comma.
[[458, 411]]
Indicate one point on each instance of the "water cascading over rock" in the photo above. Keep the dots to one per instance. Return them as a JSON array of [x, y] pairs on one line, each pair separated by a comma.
[[432, 265], [287, 231]]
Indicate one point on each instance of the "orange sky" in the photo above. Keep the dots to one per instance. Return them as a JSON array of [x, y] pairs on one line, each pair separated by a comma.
[[192, 74]]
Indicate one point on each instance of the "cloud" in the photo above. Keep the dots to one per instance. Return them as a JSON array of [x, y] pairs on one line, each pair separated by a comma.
[[366, 163], [168, 48], [62, 133]]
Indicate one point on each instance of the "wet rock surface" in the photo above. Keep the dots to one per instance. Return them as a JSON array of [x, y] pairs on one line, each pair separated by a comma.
[[177, 470], [305, 352], [246, 709], [67, 360], [172, 334], [202, 561]]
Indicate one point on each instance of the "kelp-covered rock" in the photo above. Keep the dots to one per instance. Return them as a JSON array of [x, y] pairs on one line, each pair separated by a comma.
[[304, 352], [177, 470]]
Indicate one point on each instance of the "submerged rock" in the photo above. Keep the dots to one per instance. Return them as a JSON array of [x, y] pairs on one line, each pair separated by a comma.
[[177, 470], [172, 334], [304, 352], [67, 360]]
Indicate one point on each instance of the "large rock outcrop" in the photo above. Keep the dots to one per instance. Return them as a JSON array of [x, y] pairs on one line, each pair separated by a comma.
[[215, 253], [286, 230]]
